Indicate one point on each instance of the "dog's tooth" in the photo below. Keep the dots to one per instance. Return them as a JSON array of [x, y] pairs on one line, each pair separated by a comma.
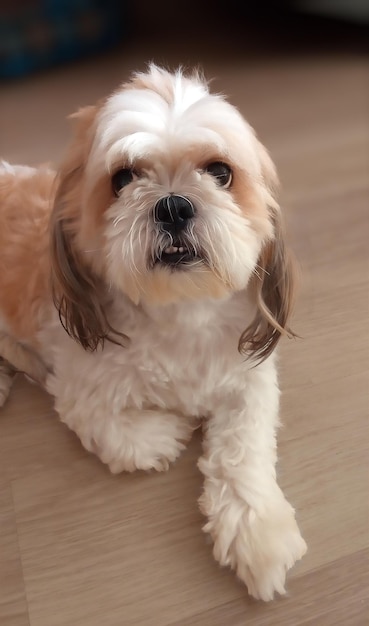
[[180, 249], [171, 249]]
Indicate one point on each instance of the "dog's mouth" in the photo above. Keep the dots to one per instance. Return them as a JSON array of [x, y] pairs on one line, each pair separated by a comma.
[[177, 254]]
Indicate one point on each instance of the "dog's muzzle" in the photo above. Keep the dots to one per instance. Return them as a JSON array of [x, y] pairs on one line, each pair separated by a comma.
[[173, 214]]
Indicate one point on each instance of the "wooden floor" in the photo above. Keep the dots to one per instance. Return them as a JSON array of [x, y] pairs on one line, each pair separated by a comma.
[[80, 547]]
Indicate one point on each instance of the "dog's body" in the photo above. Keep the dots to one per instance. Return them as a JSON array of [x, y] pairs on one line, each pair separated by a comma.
[[158, 245]]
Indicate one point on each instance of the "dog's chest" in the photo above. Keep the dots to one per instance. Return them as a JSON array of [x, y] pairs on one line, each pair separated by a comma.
[[173, 365], [172, 361]]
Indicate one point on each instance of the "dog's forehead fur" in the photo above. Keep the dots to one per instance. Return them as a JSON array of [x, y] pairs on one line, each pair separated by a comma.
[[159, 114]]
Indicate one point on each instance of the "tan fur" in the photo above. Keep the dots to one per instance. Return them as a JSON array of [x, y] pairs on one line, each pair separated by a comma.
[[250, 197], [25, 206], [76, 290], [274, 281], [159, 287]]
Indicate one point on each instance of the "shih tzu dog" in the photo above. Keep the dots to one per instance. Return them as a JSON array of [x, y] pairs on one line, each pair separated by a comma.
[[147, 284]]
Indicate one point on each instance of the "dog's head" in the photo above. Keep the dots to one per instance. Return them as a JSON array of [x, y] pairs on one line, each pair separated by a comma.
[[167, 195]]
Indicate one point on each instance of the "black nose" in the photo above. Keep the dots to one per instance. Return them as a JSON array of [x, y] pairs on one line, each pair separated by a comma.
[[173, 212]]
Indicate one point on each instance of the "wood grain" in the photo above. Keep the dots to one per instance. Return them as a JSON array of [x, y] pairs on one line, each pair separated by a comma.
[[79, 547], [13, 602]]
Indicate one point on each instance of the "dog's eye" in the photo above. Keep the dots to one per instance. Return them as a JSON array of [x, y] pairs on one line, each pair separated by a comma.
[[221, 171], [120, 179]]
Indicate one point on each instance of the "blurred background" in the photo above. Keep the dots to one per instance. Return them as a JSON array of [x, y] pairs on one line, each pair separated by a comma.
[[56, 55], [287, 64]]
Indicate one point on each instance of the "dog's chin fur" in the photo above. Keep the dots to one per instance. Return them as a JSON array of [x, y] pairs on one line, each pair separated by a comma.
[[155, 345], [163, 286]]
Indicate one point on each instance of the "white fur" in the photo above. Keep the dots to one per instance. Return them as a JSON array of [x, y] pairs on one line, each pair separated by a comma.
[[136, 406], [136, 124]]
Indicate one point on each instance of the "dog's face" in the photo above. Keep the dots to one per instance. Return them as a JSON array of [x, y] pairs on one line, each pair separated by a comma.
[[166, 195]]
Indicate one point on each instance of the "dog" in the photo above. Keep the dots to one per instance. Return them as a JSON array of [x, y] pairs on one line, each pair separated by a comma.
[[146, 285]]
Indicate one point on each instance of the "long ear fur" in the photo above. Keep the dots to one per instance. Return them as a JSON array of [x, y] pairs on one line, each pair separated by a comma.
[[273, 285], [77, 292]]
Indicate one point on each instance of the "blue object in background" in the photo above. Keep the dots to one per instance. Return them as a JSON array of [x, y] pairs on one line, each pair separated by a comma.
[[37, 34]]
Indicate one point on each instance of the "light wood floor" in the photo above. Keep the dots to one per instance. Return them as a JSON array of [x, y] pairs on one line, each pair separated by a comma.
[[79, 547]]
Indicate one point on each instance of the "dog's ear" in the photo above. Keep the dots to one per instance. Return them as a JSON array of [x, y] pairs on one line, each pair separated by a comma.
[[274, 280], [76, 290]]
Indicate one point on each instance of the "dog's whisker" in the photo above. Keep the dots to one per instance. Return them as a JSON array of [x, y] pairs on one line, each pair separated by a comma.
[[256, 273], [262, 269]]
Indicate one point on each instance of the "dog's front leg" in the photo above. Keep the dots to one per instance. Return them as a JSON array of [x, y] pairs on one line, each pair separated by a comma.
[[132, 439], [251, 523]]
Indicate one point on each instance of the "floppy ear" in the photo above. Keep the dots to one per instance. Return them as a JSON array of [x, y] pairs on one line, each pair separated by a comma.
[[274, 280], [77, 292]]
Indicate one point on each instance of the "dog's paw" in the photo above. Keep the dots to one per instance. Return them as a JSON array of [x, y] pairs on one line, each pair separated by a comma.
[[142, 441], [155, 453], [261, 549]]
